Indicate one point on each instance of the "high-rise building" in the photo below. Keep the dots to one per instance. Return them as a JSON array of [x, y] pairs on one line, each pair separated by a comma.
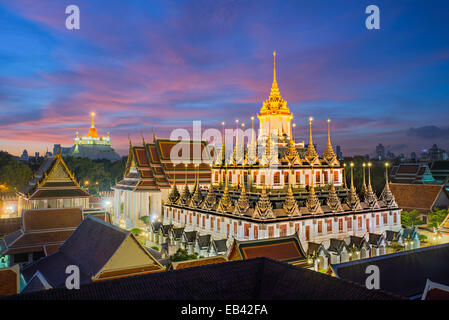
[[380, 152], [339, 153], [24, 156]]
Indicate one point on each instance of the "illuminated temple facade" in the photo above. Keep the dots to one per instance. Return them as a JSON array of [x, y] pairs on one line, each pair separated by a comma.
[[275, 187], [92, 146]]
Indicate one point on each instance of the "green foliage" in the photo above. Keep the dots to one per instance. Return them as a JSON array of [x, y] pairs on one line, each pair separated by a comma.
[[155, 248], [410, 219], [105, 172], [13, 174], [145, 219], [136, 231], [437, 216], [377, 173], [182, 255], [423, 238]]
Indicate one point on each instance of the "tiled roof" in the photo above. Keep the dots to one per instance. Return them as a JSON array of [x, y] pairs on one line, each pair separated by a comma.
[[203, 241], [9, 225], [337, 246], [286, 249], [415, 196], [43, 219], [91, 247], [375, 239], [220, 246], [358, 242], [197, 262], [404, 273], [259, 278], [42, 230]]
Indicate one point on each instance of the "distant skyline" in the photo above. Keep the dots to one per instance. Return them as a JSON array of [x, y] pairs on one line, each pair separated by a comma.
[[143, 65]]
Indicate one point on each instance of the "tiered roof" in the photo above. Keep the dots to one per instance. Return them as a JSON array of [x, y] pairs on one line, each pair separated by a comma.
[[42, 230], [53, 180], [150, 167]]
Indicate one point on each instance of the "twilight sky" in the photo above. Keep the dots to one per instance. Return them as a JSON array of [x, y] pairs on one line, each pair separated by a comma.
[[162, 64]]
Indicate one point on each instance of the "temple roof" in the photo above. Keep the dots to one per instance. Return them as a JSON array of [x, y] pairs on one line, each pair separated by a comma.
[[150, 167], [53, 179]]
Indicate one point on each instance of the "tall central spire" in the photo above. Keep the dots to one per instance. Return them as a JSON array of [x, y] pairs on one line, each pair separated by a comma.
[[93, 123], [274, 87]]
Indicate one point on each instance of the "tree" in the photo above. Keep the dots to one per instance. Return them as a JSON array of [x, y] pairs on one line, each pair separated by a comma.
[[13, 174], [437, 216], [145, 219], [182, 255], [410, 219]]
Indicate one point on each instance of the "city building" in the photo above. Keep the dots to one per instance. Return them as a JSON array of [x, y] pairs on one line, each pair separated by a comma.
[[263, 194], [339, 153], [24, 156], [150, 172], [100, 250], [380, 152], [92, 146], [52, 186]]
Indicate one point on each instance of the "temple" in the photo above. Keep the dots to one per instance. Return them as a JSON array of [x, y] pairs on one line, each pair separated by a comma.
[[91, 146], [52, 186], [150, 172], [273, 188]]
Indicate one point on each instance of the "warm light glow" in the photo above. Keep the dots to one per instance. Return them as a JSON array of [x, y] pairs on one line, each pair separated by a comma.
[[294, 125], [364, 164], [369, 164], [92, 114], [86, 182], [328, 120], [310, 119], [387, 164], [252, 118], [223, 123], [352, 164]]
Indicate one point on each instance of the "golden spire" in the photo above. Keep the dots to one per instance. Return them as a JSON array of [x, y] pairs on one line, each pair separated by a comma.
[[92, 130], [364, 188], [312, 201], [242, 205], [333, 201], [387, 196], [223, 145], [370, 196], [264, 208], [274, 87], [210, 199], [311, 152], [143, 140], [225, 202], [290, 205], [154, 136], [352, 199], [329, 154], [93, 123]]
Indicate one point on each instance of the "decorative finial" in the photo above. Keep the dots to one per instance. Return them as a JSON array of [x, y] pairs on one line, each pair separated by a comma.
[[274, 87], [93, 116]]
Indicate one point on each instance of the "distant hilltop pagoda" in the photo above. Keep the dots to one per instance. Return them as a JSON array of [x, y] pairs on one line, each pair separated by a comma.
[[91, 146]]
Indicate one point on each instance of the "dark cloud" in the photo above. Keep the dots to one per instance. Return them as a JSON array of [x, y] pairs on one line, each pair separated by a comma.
[[428, 132]]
